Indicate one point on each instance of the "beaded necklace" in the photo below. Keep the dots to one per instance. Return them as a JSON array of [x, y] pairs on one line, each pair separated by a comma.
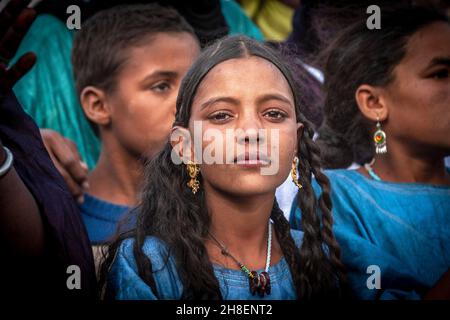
[[368, 167], [259, 283]]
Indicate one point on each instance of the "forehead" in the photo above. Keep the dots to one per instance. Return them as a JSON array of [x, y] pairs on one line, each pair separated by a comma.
[[161, 51], [243, 77], [428, 42]]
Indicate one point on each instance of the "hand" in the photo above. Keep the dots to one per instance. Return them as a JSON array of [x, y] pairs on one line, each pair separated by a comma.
[[15, 20], [67, 160]]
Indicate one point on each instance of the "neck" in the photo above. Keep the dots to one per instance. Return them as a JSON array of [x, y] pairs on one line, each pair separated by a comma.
[[401, 165], [117, 176], [241, 224]]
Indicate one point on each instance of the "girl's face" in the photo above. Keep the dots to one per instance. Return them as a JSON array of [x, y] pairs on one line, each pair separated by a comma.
[[420, 93], [248, 123]]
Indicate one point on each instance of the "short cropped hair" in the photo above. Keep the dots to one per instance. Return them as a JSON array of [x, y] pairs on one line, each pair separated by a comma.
[[99, 48]]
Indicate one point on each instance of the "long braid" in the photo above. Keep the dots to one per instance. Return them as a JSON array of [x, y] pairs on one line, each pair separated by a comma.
[[198, 286], [287, 244], [319, 247], [311, 254], [325, 206], [187, 247]]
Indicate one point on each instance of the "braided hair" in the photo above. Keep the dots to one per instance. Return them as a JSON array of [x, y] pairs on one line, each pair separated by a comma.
[[170, 212]]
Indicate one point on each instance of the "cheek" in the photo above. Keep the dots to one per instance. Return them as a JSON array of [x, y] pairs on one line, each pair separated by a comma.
[[439, 102], [144, 114], [420, 111], [286, 144], [141, 126], [286, 158]]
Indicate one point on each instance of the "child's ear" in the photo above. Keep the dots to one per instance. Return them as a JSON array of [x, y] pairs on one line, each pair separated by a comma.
[[180, 139], [93, 101], [300, 128], [371, 102]]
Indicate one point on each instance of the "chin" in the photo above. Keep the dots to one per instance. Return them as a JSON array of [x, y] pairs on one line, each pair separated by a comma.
[[249, 185], [240, 181]]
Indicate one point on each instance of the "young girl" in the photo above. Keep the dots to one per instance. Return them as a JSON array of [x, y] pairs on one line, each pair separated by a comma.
[[214, 231], [387, 99]]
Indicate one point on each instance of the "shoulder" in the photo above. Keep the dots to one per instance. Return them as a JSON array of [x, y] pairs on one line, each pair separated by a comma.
[[346, 189], [153, 248], [124, 279], [343, 176], [344, 184]]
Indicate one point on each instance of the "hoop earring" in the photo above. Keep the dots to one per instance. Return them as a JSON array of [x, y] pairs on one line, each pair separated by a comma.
[[294, 173], [193, 169], [379, 138]]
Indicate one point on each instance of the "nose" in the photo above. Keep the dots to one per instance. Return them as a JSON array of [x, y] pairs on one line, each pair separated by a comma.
[[251, 130]]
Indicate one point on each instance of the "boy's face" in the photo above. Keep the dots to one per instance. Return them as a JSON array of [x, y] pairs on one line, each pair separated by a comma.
[[142, 106]]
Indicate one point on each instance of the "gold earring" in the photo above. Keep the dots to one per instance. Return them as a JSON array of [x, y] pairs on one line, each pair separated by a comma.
[[193, 169], [294, 173]]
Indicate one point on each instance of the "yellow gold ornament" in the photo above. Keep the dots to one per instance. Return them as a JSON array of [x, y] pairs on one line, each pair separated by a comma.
[[193, 170], [294, 173]]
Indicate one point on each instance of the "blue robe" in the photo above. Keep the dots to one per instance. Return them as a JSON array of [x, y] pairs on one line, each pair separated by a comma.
[[402, 228], [124, 282]]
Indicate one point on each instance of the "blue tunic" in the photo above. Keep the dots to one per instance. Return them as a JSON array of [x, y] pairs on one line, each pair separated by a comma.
[[125, 283], [101, 218], [402, 228]]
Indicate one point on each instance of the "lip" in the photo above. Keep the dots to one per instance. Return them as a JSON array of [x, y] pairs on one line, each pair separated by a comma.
[[252, 160]]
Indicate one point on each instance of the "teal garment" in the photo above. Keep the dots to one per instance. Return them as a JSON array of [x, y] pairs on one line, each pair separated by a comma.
[[402, 228], [124, 282], [47, 92], [238, 21]]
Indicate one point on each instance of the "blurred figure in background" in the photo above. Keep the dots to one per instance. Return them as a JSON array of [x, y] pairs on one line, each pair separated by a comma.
[[273, 17], [128, 63], [386, 107]]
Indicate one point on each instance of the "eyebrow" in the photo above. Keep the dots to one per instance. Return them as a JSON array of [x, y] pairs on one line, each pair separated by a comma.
[[230, 100], [273, 96], [160, 74], [214, 100], [439, 61]]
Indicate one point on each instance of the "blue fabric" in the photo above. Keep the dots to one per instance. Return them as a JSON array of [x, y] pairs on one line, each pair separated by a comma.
[[101, 218], [47, 92], [403, 228], [124, 282]]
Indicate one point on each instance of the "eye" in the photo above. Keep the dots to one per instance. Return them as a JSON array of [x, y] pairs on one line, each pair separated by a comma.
[[275, 115], [441, 74], [161, 87], [220, 116]]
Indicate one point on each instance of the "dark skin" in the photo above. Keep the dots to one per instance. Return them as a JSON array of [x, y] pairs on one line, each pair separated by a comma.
[[413, 111], [238, 197], [135, 119], [67, 160], [144, 98], [21, 226]]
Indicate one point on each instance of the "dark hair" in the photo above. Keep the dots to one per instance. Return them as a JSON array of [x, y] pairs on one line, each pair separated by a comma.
[[308, 86], [100, 47], [170, 212], [362, 56]]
